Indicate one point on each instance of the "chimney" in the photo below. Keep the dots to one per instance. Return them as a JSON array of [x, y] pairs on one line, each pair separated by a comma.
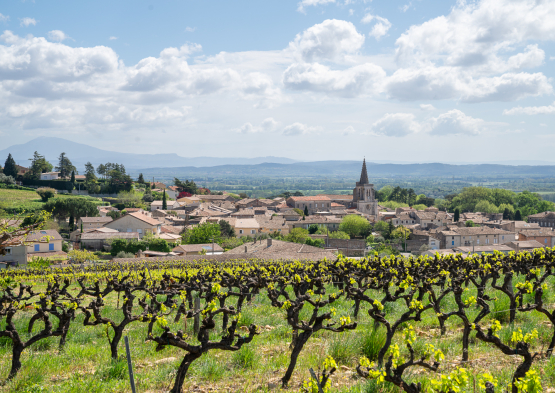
[[245, 249], [269, 242]]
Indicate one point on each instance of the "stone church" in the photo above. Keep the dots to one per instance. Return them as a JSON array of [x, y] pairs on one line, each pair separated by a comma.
[[364, 197]]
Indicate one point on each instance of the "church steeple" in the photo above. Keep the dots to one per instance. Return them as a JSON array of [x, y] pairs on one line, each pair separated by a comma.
[[363, 174]]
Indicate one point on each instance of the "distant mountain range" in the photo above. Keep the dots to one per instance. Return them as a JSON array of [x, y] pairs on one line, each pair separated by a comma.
[[351, 170], [80, 154]]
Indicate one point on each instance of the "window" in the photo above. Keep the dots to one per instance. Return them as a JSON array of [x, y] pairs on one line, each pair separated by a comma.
[[8, 251], [453, 243], [51, 247], [37, 247], [545, 240], [502, 237], [240, 231], [487, 241], [253, 231], [478, 241], [140, 230], [129, 230]]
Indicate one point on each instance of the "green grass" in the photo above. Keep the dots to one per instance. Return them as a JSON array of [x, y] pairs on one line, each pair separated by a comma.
[[19, 200]]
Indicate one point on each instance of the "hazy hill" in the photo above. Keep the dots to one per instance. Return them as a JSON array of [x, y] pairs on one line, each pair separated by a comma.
[[79, 154]]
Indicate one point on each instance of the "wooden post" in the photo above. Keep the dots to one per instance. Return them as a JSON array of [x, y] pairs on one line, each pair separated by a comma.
[[316, 379], [196, 326], [130, 365]]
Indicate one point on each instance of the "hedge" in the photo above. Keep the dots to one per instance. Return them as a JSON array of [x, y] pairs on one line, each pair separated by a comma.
[[59, 185]]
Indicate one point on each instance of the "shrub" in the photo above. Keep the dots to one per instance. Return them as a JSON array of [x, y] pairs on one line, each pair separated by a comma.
[[123, 254], [372, 342], [46, 193], [6, 179], [245, 357]]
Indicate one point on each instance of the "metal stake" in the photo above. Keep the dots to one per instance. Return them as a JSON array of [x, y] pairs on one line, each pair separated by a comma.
[[130, 365]]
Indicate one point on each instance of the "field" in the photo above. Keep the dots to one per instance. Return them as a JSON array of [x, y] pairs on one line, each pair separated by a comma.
[[85, 362], [22, 200]]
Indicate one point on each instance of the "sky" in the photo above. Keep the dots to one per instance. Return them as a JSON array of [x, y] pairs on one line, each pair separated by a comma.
[[411, 80]]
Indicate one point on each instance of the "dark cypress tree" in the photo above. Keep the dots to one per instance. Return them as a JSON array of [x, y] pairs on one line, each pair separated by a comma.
[[73, 177], [164, 203], [71, 222], [518, 216], [141, 179], [457, 215], [306, 211], [506, 214], [10, 168], [390, 229]]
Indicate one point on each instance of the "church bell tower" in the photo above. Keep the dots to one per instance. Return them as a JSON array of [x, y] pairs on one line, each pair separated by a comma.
[[364, 197]]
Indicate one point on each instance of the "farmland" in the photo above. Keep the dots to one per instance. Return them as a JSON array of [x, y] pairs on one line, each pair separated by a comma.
[[18, 200], [408, 324]]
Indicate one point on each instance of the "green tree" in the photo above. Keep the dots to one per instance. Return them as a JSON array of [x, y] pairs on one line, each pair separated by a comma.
[[10, 168], [101, 170], [226, 230], [297, 235], [339, 235], [38, 165], [76, 207], [203, 233], [164, 202], [305, 211], [518, 216], [508, 211], [72, 181], [141, 179], [355, 226], [312, 229], [299, 212], [381, 227], [46, 193], [467, 199], [457, 216], [400, 233], [90, 173], [469, 223], [65, 167], [486, 207], [187, 186]]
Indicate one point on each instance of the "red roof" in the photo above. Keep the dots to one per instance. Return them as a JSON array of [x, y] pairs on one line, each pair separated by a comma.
[[310, 198]]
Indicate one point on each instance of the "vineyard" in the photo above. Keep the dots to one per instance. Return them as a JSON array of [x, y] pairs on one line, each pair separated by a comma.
[[443, 324]]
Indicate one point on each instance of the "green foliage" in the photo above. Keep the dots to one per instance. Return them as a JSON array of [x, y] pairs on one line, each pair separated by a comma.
[[38, 165], [10, 168], [457, 216], [65, 167], [339, 235], [299, 212], [393, 205], [39, 262], [518, 216], [141, 179], [244, 358], [8, 180], [164, 201], [315, 242], [226, 230], [400, 233], [76, 207], [46, 193], [371, 343], [419, 207], [133, 246], [297, 235], [469, 224], [486, 207], [187, 186], [382, 227], [203, 233], [355, 226], [305, 211], [312, 229]]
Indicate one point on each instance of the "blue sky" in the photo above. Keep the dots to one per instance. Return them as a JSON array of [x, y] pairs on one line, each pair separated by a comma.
[[312, 79]]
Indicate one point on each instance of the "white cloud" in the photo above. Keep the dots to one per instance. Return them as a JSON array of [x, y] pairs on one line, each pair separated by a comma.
[[348, 130], [57, 35], [427, 107], [455, 122], [112, 38], [406, 7], [190, 29], [395, 124], [380, 28], [330, 40], [309, 3], [267, 125], [299, 129], [27, 22], [531, 110], [352, 82], [4, 18]]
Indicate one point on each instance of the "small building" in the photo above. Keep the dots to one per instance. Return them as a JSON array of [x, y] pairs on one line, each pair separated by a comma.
[[140, 222], [312, 204], [525, 245], [44, 243], [480, 250], [246, 227], [544, 220], [50, 176], [545, 236], [93, 222], [198, 249], [171, 205], [95, 240]]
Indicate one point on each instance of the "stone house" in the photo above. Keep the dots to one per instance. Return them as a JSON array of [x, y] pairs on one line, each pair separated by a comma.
[[198, 249], [246, 227], [330, 222], [93, 222], [545, 219], [312, 203], [45, 243], [171, 205], [545, 236], [477, 236], [140, 222], [95, 240]]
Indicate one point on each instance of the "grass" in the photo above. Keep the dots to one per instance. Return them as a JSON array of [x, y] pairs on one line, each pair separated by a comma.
[[19, 200], [85, 364]]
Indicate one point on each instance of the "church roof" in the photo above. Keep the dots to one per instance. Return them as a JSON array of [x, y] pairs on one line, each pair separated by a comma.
[[364, 174]]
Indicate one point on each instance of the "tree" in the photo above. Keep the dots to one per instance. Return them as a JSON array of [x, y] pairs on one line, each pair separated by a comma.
[[518, 216], [38, 165], [299, 212], [469, 223], [305, 211], [72, 181], [338, 235], [141, 179], [457, 216], [297, 235], [354, 226], [115, 214], [188, 186], [312, 229], [6, 179], [381, 227], [90, 174], [101, 170], [164, 202], [400, 233], [65, 167], [46, 193], [62, 208], [203, 233], [486, 207], [10, 168], [226, 230]]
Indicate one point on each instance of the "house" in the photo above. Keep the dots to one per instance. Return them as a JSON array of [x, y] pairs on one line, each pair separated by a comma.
[[246, 227], [329, 222], [342, 200], [545, 219], [198, 249], [170, 237], [277, 249], [76, 234], [93, 222], [172, 192], [157, 205], [418, 239], [158, 185], [213, 198], [477, 236], [271, 224], [480, 250], [525, 245], [140, 222], [104, 210], [100, 240], [44, 243], [190, 201], [545, 236], [312, 203], [50, 175]]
